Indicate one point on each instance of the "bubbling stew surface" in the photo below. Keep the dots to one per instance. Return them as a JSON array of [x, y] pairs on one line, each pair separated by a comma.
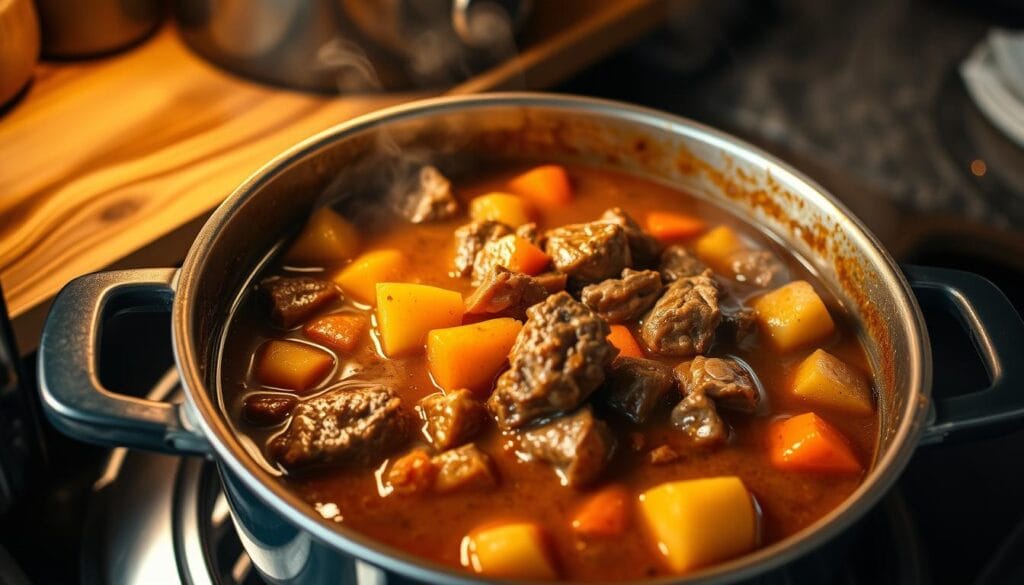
[[552, 423]]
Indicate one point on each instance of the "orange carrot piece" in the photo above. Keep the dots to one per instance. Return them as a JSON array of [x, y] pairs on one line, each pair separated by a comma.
[[606, 513], [621, 338], [546, 186], [669, 227], [527, 258], [808, 443], [340, 331]]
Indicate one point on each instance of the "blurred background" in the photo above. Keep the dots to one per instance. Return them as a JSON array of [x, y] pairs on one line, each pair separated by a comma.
[[123, 123]]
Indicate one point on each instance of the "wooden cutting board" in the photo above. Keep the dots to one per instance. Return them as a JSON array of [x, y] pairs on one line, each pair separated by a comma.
[[116, 162]]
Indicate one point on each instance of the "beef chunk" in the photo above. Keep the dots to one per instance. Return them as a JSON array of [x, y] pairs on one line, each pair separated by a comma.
[[635, 386], [505, 294], [643, 247], [345, 425], [268, 409], [464, 468], [294, 299], [558, 360], [552, 282], [757, 267], [618, 300], [578, 446], [697, 418], [662, 455], [530, 233], [739, 325], [450, 420], [724, 379], [426, 196], [677, 262], [470, 240], [683, 321], [589, 252]]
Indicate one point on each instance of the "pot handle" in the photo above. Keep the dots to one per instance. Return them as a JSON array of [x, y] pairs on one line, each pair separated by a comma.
[[74, 399], [997, 332]]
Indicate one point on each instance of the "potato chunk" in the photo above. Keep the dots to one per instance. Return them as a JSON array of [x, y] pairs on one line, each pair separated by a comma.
[[793, 316], [716, 248], [407, 312], [359, 279], [699, 522], [826, 380], [470, 356], [327, 238], [292, 365], [508, 209], [517, 550]]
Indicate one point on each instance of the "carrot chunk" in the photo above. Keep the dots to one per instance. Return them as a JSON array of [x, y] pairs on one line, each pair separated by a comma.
[[470, 356], [340, 331], [669, 227], [808, 443], [606, 513], [621, 338], [545, 186], [509, 209]]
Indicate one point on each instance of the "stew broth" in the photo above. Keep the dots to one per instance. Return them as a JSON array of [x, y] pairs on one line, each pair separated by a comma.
[[434, 525]]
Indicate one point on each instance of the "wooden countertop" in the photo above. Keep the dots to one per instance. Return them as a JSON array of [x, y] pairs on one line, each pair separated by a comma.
[[116, 162]]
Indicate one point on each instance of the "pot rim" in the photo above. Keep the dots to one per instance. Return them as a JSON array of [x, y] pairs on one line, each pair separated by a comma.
[[232, 456]]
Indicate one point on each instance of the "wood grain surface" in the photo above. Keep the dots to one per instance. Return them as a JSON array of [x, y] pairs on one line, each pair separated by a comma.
[[103, 160]]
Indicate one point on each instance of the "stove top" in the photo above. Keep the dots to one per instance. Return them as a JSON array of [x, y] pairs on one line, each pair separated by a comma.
[[865, 98]]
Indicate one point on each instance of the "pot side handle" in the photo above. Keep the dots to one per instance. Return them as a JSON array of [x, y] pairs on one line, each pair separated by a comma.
[[997, 333], [73, 397]]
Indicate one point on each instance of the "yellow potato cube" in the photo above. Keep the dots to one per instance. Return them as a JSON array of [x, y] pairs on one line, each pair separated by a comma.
[[716, 248], [359, 279], [327, 238], [407, 312], [470, 356], [699, 522], [509, 209], [292, 365], [826, 380], [793, 315], [509, 551]]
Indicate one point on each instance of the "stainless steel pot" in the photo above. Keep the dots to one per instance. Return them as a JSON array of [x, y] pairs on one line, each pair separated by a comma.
[[288, 542]]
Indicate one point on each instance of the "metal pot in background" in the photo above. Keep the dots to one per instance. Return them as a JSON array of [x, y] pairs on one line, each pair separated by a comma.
[[352, 46], [19, 46], [89, 28]]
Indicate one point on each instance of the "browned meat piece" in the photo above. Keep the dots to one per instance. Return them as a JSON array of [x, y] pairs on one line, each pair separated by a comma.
[[578, 446], [677, 262], [739, 325], [346, 425], [425, 196], [470, 240], [643, 247], [530, 233], [683, 321], [505, 294], [268, 409], [696, 416], [757, 267], [552, 282], [464, 468], [618, 300], [589, 252], [724, 379], [412, 473], [662, 455], [635, 386], [451, 419], [497, 252], [558, 360], [294, 299]]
